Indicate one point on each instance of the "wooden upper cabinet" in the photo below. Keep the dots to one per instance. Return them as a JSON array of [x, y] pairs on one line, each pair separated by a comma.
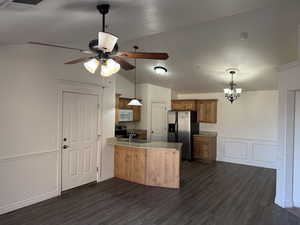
[[181, 105], [207, 111], [123, 103], [136, 113]]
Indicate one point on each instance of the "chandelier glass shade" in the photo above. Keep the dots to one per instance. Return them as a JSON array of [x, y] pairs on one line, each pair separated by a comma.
[[232, 93]]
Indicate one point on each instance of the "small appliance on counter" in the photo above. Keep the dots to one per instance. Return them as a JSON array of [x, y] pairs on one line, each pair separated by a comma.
[[182, 125], [121, 131]]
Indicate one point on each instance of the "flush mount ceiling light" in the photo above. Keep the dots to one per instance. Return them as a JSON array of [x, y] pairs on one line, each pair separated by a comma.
[[135, 101], [232, 93], [160, 70]]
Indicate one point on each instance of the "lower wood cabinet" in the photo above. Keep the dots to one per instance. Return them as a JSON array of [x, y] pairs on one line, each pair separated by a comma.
[[130, 164], [205, 148], [163, 168], [149, 167]]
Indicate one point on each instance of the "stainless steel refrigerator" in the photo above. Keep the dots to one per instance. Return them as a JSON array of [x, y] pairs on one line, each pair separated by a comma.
[[182, 125]]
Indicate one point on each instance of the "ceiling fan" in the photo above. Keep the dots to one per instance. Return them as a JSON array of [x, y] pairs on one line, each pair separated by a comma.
[[105, 50]]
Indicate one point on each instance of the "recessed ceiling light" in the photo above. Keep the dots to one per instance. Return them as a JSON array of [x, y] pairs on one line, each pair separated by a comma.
[[160, 70]]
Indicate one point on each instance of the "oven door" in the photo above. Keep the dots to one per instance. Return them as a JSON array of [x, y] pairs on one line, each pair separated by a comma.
[[125, 115]]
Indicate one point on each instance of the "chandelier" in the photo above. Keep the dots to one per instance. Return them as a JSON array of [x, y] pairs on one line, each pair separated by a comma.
[[232, 93]]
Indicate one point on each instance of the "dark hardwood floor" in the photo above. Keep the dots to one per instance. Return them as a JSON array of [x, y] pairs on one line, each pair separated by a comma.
[[223, 194]]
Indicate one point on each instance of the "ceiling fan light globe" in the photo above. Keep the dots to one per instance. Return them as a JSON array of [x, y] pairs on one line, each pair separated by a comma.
[[109, 68], [106, 41], [91, 65]]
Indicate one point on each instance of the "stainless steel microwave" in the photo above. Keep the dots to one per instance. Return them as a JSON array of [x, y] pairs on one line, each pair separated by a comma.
[[125, 115]]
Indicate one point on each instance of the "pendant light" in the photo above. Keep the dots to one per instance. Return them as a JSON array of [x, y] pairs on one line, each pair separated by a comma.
[[135, 101]]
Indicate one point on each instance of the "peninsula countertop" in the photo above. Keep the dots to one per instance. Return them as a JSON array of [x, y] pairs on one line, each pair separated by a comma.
[[149, 145]]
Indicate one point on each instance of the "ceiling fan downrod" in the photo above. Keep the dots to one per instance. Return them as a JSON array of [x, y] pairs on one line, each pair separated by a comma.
[[103, 9]]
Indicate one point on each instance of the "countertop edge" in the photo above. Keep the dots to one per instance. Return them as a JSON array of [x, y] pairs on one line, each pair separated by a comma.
[[148, 146]]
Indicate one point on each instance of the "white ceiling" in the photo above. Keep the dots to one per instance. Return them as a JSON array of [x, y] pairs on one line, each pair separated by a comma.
[[201, 37]]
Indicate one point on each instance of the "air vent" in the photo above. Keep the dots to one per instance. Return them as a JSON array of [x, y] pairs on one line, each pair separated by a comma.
[[28, 2]]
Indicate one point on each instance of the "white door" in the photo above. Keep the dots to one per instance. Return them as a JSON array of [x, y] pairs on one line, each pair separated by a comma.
[[79, 145], [158, 121]]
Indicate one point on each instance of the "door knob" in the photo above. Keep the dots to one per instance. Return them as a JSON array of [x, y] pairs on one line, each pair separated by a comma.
[[65, 146]]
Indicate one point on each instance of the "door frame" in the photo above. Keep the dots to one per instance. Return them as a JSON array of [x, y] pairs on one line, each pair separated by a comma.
[[166, 115], [79, 88]]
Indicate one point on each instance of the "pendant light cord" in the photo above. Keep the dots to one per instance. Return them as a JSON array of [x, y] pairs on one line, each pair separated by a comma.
[[135, 48]]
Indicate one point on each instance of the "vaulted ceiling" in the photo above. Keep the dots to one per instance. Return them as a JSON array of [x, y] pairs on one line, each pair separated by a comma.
[[201, 37]]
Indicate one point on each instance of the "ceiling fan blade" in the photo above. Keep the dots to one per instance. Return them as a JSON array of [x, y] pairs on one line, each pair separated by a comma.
[[143, 55], [59, 46], [123, 63], [83, 59]]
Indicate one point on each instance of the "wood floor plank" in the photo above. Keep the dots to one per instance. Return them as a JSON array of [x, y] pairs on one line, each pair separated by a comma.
[[218, 194]]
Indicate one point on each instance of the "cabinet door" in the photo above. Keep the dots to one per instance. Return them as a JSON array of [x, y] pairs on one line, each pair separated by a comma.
[[201, 150], [123, 163], [201, 111], [139, 166], [211, 111], [177, 105], [123, 103], [181, 105], [136, 113], [163, 168], [207, 111]]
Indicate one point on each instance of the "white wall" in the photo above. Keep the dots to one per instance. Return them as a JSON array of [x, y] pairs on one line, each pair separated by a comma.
[[289, 83], [296, 177], [152, 93], [29, 122], [247, 129], [124, 87]]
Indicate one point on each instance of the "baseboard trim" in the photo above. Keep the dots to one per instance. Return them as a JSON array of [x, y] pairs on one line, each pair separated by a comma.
[[279, 202], [296, 204], [27, 202]]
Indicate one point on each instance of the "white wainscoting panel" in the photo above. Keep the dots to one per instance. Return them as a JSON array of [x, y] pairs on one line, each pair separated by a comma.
[[27, 179], [252, 152]]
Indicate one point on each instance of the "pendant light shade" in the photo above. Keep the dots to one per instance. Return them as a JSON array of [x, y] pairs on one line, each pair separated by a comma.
[[91, 65], [135, 101]]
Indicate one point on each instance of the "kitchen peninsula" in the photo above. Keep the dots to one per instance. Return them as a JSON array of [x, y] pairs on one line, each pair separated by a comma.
[[151, 164]]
